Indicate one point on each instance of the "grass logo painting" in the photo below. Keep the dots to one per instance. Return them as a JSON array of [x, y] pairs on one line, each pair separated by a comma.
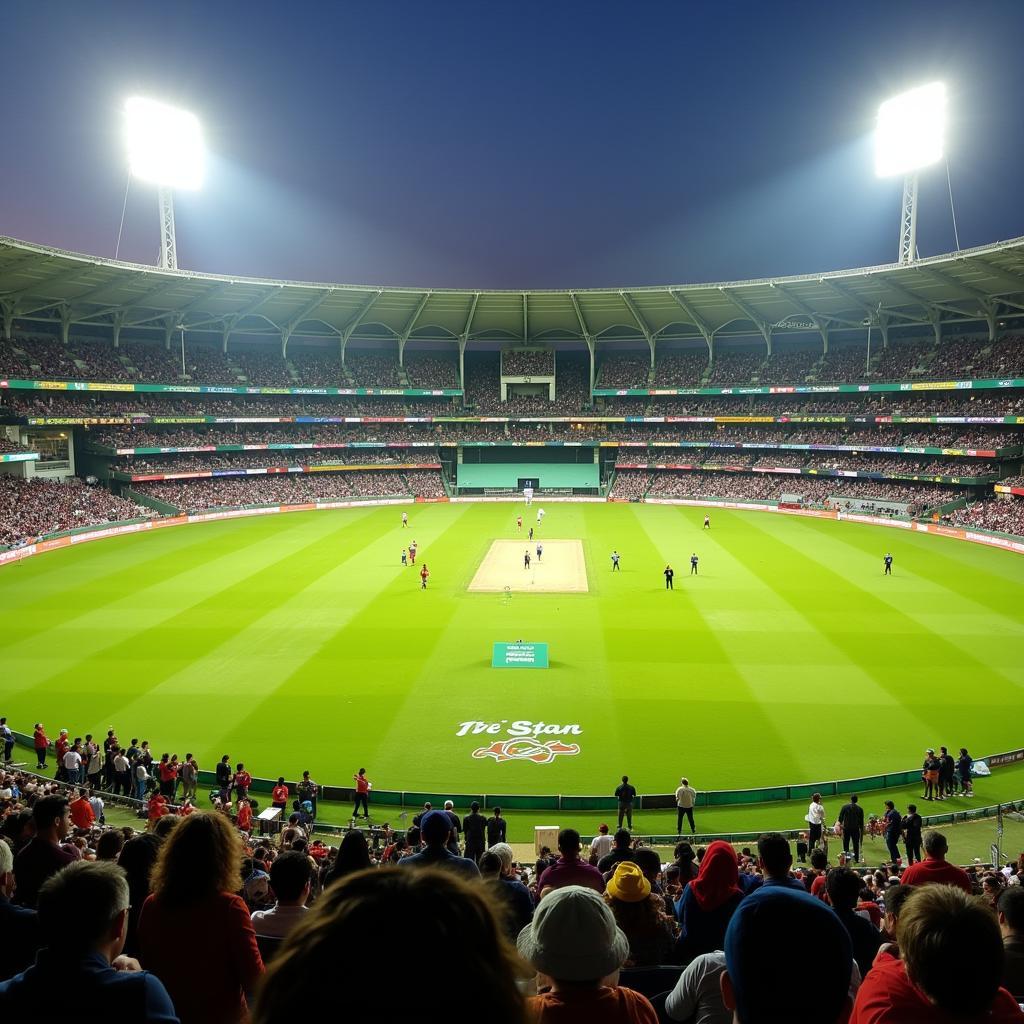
[[523, 740]]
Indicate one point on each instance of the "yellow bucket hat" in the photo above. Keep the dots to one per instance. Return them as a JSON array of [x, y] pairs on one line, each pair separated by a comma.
[[628, 883]]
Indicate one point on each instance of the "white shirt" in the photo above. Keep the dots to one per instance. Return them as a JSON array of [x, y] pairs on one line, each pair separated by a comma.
[[72, 760], [601, 845], [686, 796], [697, 996], [278, 921], [815, 814]]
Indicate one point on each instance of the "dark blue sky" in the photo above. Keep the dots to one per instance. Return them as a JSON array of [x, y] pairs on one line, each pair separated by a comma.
[[511, 144]]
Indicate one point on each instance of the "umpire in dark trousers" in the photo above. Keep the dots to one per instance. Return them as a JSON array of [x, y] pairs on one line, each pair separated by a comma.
[[851, 821]]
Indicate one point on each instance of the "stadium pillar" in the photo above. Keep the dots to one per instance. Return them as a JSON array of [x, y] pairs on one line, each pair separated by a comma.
[[8, 314], [591, 350], [168, 331], [65, 324], [463, 338], [118, 321], [285, 336], [225, 334], [823, 331], [993, 328]]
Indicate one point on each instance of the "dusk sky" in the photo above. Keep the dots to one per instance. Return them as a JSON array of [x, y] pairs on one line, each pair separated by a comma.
[[511, 145]]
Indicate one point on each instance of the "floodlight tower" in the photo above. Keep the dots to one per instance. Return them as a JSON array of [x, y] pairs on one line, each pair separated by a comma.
[[909, 137], [165, 146]]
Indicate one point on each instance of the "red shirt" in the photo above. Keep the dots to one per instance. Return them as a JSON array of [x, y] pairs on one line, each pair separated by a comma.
[[243, 780], [937, 872], [596, 1006], [244, 817], [157, 807], [168, 771], [818, 888], [887, 996], [279, 795], [362, 784], [81, 813], [216, 930], [62, 747], [40, 740]]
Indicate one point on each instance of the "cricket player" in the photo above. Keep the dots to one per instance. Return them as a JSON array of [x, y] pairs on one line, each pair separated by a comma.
[[707, 521], [405, 520], [412, 553], [693, 564], [424, 576], [519, 523], [540, 551], [405, 557], [540, 516], [526, 559], [669, 574], [888, 564], [615, 562]]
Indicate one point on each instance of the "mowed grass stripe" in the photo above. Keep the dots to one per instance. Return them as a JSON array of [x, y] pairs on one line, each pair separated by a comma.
[[220, 599], [356, 673], [333, 659], [920, 668], [325, 586], [717, 665], [456, 683]]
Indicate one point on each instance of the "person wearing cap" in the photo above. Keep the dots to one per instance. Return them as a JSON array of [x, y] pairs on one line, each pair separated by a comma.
[[569, 869], [577, 949], [767, 981], [435, 829], [601, 844], [708, 902], [640, 913]]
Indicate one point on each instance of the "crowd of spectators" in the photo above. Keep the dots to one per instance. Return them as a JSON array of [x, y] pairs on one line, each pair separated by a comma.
[[823, 491], [735, 365], [843, 364], [789, 365], [372, 369], [261, 459], [31, 508], [680, 369], [431, 370], [527, 363], [9, 447], [319, 366], [284, 489], [630, 484], [585, 934], [624, 370], [1005, 515]]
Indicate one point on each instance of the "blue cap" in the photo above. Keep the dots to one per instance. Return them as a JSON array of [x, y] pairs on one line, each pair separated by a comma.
[[778, 939], [435, 826]]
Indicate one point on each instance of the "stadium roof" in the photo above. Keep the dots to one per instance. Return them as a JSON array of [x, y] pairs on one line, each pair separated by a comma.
[[39, 284]]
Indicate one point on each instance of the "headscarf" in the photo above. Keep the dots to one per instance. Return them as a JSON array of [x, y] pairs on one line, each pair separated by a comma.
[[717, 880]]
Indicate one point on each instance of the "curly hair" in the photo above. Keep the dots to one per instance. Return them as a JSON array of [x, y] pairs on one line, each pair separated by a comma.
[[646, 925], [200, 858], [355, 921]]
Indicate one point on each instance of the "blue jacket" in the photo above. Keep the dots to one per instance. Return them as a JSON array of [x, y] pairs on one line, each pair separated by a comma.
[[88, 981], [441, 857]]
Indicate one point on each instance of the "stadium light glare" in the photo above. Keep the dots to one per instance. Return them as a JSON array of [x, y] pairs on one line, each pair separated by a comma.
[[911, 130], [165, 144]]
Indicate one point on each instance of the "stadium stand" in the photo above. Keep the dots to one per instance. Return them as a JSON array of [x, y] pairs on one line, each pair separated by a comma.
[[31, 508]]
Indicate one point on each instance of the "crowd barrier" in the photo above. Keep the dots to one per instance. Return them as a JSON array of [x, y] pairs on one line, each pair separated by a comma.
[[565, 802]]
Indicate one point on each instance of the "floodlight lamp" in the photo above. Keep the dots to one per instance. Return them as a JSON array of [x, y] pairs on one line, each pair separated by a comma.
[[165, 145], [910, 130]]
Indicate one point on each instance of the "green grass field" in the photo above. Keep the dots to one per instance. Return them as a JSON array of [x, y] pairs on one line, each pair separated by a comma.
[[299, 641]]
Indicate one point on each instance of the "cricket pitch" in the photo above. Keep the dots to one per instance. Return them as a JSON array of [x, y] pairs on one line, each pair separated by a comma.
[[561, 570]]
